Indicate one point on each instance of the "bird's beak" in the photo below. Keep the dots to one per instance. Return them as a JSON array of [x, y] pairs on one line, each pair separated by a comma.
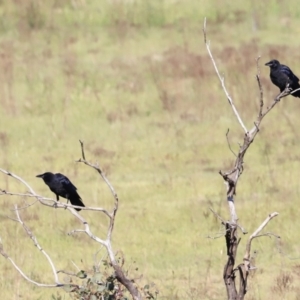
[[40, 176], [268, 64]]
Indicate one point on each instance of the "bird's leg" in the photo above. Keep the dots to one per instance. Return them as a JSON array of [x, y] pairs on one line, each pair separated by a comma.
[[67, 202], [55, 204]]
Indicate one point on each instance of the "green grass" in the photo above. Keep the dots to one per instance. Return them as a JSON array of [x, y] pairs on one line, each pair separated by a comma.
[[133, 80]]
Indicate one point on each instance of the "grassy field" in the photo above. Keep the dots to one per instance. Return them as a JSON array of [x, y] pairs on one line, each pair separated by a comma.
[[133, 80]]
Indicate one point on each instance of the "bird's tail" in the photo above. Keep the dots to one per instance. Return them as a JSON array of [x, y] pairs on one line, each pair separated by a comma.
[[75, 199]]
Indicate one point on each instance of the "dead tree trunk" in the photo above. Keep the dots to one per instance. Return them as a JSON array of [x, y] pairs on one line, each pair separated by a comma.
[[231, 177]]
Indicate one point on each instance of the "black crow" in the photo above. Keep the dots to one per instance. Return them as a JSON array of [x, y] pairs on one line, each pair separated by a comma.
[[282, 75], [60, 185]]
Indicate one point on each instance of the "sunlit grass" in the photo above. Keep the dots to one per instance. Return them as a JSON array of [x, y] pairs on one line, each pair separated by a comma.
[[133, 80]]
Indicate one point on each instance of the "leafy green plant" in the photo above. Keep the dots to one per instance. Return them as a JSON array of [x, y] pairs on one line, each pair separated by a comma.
[[104, 285]]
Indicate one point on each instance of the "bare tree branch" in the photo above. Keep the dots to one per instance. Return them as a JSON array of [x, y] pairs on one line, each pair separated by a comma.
[[4, 192], [207, 43], [25, 276], [101, 173], [217, 216], [245, 267], [44, 200], [227, 133], [231, 178], [34, 239], [67, 273], [254, 235], [261, 98], [217, 236], [121, 277]]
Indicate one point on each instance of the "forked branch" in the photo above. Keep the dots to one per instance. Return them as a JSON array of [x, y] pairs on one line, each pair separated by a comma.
[[246, 267], [106, 242], [36, 243], [256, 234], [102, 174], [231, 178], [43, 200], [120, 275]]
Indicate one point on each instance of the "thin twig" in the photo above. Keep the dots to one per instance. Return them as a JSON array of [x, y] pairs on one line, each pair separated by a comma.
[[34, 239], [256, 234], [82, 149], [217, 216], [269, 234], [29, 279], [75, 266], [229, 143], [95, 256], [207, 43], [261, 98], [4, 192], [219, 235], [244, 231], [101, 173], [67, 273]]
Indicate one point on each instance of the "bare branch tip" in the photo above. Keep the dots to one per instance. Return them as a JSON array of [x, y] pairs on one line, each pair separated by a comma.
[[204, 30]]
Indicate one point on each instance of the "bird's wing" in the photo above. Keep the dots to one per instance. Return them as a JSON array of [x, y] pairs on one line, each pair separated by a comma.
[[65, 181], [288, 72]]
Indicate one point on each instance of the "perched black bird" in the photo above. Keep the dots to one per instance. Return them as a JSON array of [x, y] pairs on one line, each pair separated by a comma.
[[60, 185], [282, 75]]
